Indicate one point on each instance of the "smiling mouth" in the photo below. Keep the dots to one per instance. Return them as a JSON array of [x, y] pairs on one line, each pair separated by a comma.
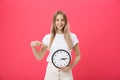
[[60, 25]]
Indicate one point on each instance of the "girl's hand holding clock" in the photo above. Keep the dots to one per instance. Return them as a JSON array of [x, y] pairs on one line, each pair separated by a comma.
[[65, 68]]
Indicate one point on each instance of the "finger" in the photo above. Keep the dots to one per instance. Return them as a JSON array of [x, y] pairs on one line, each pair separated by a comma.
[[39, 43], [62, 67], [34, 43]]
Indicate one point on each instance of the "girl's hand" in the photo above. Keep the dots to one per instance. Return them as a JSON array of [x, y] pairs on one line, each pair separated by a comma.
[[65, 68], [36, 43]]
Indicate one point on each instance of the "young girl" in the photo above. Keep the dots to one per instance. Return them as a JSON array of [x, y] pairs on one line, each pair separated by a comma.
[[59, 38]]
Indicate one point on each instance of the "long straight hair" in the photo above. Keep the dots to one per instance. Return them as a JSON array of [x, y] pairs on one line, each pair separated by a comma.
[[65, 30]]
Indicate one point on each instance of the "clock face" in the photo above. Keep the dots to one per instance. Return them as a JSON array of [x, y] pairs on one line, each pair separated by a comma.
[[61, 58]]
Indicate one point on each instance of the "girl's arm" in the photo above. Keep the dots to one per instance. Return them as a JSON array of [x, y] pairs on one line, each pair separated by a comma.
[[77, 54], [38, 54], [77, 58]]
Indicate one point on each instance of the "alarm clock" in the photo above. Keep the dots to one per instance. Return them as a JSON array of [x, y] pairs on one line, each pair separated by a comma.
[[61, 58]]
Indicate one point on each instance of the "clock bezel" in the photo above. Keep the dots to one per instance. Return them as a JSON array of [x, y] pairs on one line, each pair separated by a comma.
[[65, 52]]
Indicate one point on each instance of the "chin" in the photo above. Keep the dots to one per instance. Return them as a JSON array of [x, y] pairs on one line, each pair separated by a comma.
[[61, 27]]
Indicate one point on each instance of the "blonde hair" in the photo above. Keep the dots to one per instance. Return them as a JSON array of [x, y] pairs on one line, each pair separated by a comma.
[[65, 30]]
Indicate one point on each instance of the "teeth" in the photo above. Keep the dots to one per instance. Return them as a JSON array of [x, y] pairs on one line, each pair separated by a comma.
[[60, 25]]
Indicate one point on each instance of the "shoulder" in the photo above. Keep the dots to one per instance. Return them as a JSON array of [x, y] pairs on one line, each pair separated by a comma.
[[72, 34], [74, 38], [47, 35], [46, 39]]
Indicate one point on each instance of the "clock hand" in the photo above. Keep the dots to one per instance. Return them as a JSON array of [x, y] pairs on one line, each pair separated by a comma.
[[63, 58]]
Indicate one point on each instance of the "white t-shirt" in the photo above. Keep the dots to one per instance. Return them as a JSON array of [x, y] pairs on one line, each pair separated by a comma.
[[59, 42]]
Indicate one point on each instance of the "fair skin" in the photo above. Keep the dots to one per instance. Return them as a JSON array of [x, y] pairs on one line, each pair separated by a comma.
[[60, 23]]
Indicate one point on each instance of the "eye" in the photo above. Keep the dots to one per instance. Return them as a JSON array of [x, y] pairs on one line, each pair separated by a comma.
[[62, 20], [57, 19]]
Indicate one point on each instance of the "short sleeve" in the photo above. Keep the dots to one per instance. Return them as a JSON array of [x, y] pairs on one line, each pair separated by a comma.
[[46, 39], [74, 39]]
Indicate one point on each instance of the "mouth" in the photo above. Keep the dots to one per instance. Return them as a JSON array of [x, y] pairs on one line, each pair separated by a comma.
[[60, 25]]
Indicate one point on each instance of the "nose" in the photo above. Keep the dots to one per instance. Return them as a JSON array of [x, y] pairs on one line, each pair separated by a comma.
[[60, 22]]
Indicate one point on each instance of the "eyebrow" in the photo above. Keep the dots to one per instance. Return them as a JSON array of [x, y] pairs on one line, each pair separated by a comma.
[[61, 19]]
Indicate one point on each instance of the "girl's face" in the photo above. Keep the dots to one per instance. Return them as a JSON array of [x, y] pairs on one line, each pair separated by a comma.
[[60, 22]]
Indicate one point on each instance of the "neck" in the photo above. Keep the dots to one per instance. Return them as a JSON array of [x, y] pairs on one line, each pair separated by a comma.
[[60, 32]]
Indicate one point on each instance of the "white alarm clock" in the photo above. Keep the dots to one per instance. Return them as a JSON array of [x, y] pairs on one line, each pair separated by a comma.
[[61, 58]]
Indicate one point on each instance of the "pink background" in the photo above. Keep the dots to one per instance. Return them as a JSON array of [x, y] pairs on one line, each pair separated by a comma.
[[95, 22]]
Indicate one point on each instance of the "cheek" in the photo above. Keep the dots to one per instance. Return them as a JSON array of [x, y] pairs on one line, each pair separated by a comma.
[[56, 24], [63, 22]]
